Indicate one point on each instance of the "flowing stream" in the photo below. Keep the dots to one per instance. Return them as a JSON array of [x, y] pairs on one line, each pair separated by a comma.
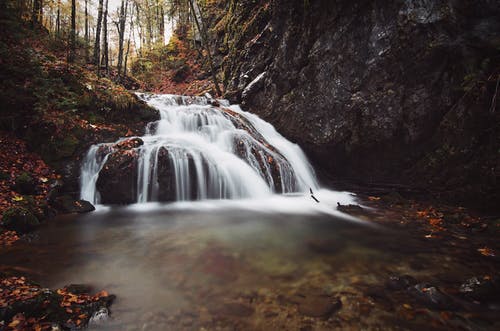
[[214, 152]]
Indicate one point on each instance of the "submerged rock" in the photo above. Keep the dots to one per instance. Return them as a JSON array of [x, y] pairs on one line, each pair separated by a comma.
[[400, 282], [316, 303], [235, 308], [319, 306], [482, 289], [432, 297]]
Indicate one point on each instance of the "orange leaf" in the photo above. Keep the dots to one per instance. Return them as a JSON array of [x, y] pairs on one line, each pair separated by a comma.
[[102, 294], [486, 251]]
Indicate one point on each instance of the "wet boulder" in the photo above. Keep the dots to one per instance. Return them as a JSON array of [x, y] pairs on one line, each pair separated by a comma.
[[67, 204], [266, 160], [166, 177], [117, 182], [128, 144]]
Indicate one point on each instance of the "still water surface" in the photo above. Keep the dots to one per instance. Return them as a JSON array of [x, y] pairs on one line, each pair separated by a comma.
[[232, 265]]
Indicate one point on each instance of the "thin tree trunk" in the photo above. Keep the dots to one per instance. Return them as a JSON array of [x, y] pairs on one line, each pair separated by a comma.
[[139, 29], [97, 44], [128, 45], [87, 39], [35, 13], [40, 13], [149, 26], [121, 33], [205, 43], [162, 25], [58, 19], [105, 54], [72, 37]]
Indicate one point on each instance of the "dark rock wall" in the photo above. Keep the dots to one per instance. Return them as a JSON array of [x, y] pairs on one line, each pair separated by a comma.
[[377, 91]]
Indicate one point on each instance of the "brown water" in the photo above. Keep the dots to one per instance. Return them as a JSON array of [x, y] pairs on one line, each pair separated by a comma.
[[239, 269]]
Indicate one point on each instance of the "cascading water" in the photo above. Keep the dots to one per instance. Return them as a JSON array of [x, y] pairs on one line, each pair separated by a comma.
[[212, 153]]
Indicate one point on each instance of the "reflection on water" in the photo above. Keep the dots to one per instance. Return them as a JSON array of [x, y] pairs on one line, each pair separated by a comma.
[[179, 267]]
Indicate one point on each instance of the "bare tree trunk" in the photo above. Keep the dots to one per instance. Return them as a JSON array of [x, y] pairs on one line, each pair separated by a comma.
[[128, 45], [206, 45], [35, 14], [72, 36], [40, 13], [149, 27], [121, 33], [87, 38], [97, 44], [58, 19], [162, 25], [139, 28], [105, 50]]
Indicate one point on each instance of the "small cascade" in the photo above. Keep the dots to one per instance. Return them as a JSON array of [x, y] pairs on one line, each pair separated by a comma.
[[196, 151]]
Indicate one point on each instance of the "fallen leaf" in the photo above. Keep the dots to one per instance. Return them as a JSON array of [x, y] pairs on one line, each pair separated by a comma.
[[486, 251]]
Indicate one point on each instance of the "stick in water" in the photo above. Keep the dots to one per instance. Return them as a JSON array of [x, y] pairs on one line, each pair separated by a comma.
[[312, 195]]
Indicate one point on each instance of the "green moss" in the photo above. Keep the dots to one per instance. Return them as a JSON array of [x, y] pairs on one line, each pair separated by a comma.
[[19, 219], [25, 184], [67, 147], [24, 178]]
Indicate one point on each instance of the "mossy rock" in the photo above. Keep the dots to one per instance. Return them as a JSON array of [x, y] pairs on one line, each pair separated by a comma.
[[67, 147], [19, 219], [25, 184]]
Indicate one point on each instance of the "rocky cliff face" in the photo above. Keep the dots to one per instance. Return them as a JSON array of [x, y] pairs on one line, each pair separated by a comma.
[[392, 91]]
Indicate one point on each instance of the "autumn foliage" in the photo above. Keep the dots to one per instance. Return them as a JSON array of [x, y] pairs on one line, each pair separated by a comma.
[[27, 306]]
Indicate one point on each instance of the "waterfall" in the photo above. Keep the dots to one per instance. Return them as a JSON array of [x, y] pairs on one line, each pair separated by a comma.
[[210, 152]]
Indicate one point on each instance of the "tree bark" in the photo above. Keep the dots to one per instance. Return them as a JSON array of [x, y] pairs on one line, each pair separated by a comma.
[[35, 15], [105, 50], [72, 37], [139, 28], [121, 33], [162, 25], [87, 38], [128, 45], [97, 44], [58, 18]]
